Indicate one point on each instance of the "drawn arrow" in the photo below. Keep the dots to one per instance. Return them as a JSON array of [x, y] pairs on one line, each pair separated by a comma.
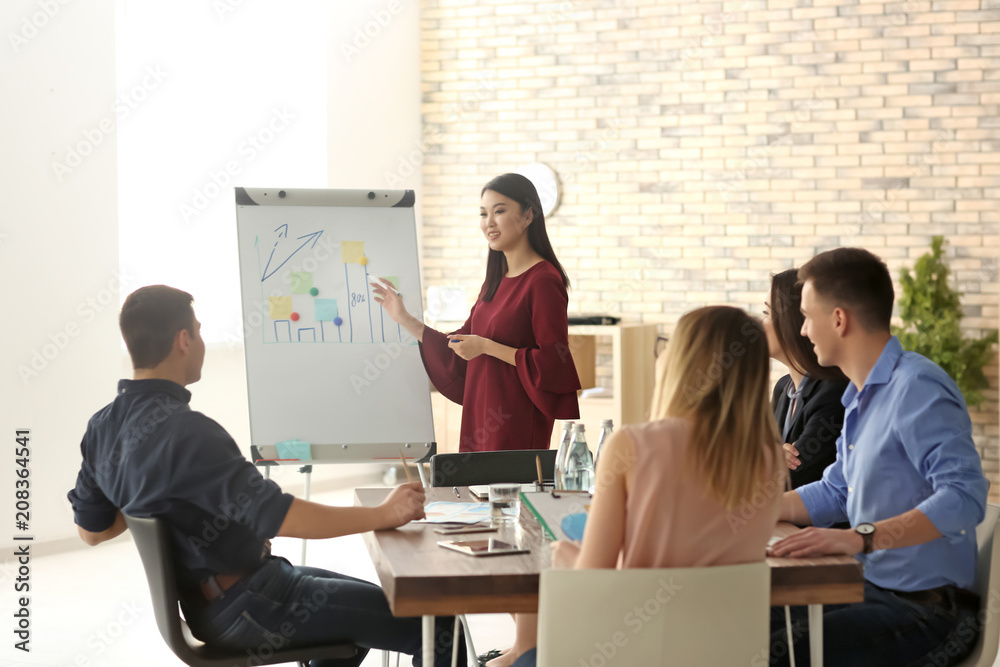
[[308, 237]]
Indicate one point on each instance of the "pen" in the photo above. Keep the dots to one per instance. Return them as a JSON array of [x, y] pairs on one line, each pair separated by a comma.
[[387, 285], [406, 467], [457, 494]]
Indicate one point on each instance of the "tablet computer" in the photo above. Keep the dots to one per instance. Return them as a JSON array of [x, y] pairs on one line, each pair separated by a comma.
[[487, 547]]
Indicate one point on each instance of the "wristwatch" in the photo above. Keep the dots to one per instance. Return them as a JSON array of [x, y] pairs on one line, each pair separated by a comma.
[[867, 533]]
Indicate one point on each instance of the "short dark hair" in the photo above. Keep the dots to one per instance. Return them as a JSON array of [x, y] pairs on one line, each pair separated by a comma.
[[855, 280], [787, 320], [151, 316]]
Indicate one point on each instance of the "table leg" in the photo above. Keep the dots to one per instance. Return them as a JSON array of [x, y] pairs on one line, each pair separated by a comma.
[[428, 641], [308, 485], [788, 631], [469, 646], [454, 642], [816, 635]]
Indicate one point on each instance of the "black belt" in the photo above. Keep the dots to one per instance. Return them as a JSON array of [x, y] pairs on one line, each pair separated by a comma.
[[942, 596], [214, 586]]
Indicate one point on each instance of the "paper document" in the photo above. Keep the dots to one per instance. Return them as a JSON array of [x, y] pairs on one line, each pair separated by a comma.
[[466, 513]]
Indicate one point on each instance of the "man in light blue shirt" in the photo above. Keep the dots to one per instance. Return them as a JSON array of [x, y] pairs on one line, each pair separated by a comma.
[[907, 478]]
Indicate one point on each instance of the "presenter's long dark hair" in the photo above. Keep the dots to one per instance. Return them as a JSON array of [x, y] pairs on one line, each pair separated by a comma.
[[521, 190]]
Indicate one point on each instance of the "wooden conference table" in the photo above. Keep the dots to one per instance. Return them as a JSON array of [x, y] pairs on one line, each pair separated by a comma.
[[422, 579]]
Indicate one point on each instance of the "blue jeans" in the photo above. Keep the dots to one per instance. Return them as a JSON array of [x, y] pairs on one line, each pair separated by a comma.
[[281, 606], [883, 631], [527, 659]]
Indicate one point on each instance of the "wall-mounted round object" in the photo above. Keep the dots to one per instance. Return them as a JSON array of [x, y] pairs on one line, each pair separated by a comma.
[[545, 181]]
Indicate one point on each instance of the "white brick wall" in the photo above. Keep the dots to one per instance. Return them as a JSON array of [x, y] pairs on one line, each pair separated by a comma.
[[703, 145]]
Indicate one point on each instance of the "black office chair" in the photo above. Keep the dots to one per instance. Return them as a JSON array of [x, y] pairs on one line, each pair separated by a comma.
[[470, 468], [152, 537]]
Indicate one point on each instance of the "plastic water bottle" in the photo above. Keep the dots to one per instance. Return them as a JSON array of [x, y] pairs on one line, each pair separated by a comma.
[[607, 428], [564, 443], [579, 471]]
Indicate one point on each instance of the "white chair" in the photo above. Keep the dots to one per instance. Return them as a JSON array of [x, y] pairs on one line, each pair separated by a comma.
[[684, 616], [988, 588]]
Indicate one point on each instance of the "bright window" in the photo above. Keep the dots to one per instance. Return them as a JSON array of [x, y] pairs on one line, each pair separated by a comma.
[[212, 95]]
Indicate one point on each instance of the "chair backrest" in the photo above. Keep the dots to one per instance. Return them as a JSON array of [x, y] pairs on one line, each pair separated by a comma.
[[988, 587], [684, 616], [152, 538], [468, 468]]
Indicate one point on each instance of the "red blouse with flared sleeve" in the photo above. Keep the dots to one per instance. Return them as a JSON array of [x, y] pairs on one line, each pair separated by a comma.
[[504, 406]]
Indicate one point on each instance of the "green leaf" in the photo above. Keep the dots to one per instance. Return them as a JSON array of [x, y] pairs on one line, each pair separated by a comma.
[[931, 311]]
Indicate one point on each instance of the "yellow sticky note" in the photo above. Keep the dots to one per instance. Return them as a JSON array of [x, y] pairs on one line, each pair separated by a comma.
[[281, 307], [351, 252]]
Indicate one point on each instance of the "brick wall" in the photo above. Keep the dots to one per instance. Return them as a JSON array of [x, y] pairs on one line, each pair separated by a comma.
[[702, 146]]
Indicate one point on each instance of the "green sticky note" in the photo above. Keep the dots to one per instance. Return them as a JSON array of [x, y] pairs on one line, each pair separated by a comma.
[[294, 449], [326, 310], [280, 307], [351, 252], [391, 279], [302, 282]]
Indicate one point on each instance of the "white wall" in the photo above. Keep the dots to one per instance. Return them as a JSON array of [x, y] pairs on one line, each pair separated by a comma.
[[374, 97], [58, 246], [59, 238], [373, 106]]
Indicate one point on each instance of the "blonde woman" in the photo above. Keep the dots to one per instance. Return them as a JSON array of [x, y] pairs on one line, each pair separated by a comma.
[[698, 485]]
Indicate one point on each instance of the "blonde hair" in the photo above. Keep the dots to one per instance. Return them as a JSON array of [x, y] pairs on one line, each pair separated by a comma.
[[715, 372]]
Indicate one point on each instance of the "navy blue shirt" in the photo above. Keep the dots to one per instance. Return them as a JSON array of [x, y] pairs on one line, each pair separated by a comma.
[[148, 454]]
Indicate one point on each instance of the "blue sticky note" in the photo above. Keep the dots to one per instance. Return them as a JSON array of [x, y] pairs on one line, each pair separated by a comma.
[[294, 449], [573, 526], [326, 310]]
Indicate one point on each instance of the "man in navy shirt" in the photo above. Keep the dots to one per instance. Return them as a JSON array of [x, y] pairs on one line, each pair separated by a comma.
[[148, 454], [907, 478]]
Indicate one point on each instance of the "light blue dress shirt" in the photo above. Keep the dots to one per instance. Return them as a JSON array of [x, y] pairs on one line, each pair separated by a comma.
[[906, 443]]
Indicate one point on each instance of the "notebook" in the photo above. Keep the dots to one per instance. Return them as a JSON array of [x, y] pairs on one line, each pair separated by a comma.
[[562, 517]]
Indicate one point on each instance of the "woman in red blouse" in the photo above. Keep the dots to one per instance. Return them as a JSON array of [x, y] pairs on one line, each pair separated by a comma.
[[509, 365]]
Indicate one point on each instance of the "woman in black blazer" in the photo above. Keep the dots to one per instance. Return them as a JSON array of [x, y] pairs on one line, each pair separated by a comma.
[[806, 402]]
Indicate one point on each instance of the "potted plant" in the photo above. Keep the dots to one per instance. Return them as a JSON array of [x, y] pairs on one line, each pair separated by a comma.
[[931, 311]]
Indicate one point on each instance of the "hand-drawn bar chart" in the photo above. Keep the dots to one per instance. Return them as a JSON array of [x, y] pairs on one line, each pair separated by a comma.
[[320, 290], [317, 369]]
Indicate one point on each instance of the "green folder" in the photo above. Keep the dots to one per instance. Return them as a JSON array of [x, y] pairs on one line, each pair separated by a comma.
[[545, 526]]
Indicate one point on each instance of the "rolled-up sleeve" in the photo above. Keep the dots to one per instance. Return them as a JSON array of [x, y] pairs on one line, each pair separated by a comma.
[[826, 498], [936, 433], [546, 370], [92, 510]]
